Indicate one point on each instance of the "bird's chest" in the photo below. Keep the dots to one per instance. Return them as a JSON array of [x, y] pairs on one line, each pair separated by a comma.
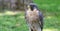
[[32, 15]]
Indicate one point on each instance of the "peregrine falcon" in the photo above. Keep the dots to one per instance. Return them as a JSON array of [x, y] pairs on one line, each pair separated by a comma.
[[34, 17]]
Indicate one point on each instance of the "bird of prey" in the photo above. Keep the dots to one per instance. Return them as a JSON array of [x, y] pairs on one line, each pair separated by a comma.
[[34, 17]]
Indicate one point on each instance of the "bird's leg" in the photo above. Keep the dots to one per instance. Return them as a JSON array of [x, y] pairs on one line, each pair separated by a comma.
[[31, 29]]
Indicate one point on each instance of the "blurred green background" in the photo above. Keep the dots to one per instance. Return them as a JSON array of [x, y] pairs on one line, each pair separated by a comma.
[[50, 10]]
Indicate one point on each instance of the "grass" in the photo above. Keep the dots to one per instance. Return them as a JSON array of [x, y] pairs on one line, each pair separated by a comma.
[[18, 23], [48, 5], [13, 23], [50, 9]]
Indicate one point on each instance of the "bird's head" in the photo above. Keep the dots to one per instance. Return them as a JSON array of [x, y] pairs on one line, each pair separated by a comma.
[[32, 6]]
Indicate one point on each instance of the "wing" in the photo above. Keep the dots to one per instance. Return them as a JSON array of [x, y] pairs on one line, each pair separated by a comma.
[[41, 19]]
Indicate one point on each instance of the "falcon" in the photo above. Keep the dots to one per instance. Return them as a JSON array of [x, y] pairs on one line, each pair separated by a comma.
[[34, 17]]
